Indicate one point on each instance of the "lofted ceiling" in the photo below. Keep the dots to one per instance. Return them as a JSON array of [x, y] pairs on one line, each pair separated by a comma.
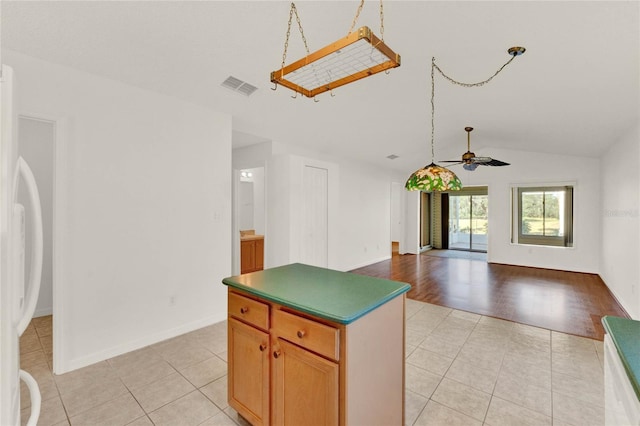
[[574, 92]]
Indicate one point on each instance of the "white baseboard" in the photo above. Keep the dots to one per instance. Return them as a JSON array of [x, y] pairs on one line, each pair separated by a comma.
[[370, 262], [43, 312], [123, 348]]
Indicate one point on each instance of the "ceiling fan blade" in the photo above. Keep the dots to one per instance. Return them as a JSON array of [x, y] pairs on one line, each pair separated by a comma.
[[450, 161], [493, 163], [480, 160]]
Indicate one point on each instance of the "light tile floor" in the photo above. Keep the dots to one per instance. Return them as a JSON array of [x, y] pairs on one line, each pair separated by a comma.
[[461, 369]]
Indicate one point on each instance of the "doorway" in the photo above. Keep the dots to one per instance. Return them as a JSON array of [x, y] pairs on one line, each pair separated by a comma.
[[468, 220], [425, 220], [37, 145], [249, 220], [36, 140]]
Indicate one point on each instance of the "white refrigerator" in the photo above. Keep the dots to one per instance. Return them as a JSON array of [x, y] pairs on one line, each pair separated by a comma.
[[17, 298]]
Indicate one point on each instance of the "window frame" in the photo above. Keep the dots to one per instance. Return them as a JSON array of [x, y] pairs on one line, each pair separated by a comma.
[[565, 240]]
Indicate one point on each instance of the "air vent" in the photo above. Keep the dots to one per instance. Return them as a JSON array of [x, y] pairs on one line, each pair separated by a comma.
[[392, 157], [239, 86]]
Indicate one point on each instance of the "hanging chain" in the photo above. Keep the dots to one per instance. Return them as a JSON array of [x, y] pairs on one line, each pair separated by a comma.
[[381, 22], [433, 107], [480, 83], [459, 83], [355, 19], [286, 42]]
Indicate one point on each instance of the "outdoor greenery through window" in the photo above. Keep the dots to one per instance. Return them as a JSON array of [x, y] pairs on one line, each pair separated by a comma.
[[468, 219], [545, 216]]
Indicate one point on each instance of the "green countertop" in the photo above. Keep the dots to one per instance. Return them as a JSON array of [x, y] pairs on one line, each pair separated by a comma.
[[342, 297], [625, 334]]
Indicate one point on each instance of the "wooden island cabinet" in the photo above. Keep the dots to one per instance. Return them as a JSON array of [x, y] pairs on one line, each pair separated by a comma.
[[311, 346]]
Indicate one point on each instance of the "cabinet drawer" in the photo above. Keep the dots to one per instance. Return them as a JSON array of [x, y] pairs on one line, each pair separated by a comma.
[[249, 310], [317, 337]]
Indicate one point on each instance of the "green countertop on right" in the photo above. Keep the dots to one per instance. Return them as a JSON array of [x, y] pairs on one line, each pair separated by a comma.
[[625, 334]]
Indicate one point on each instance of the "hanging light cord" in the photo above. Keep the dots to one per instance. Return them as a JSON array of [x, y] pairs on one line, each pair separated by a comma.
[[433, 107], [434, 66]]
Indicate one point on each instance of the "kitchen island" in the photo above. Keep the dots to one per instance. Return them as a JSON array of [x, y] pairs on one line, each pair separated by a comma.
[[314, 346]]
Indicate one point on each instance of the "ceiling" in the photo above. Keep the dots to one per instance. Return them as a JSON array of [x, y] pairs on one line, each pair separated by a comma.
[[574, 92]]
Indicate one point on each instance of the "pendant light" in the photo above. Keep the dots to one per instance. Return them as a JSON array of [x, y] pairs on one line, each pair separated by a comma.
[[433, 177]]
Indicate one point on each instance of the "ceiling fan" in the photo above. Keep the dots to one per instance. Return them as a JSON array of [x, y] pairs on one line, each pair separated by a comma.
[[470, 161]]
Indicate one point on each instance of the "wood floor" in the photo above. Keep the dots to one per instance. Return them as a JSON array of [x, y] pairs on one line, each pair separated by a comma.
[[562, 301]]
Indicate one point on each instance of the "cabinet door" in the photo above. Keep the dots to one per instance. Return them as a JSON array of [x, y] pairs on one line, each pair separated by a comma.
[[248, 364], [259, 255], [247, 256], [305, 387]]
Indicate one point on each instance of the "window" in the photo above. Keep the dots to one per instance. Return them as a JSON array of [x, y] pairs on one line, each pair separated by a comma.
[[545, 215]]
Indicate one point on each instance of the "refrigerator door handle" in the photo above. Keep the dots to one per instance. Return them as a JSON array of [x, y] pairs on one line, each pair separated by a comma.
[[37, 244], [34, 393]]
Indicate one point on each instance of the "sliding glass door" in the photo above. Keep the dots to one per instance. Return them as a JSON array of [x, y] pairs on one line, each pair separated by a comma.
[[468, 215]]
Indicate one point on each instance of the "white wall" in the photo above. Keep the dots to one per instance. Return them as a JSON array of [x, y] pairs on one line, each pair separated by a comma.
[[411, 243], [396, 211], [258, 200], [542, 169], [619, 213], [245, 195], [277, 247], [359, 222], [148, 184], [365, 215], [36, 145]]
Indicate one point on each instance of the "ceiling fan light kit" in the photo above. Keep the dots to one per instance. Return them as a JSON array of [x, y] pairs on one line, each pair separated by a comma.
[[470, 161], [432, 177]]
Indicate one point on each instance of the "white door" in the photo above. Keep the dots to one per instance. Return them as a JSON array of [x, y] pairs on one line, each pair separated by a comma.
[[315, 222]]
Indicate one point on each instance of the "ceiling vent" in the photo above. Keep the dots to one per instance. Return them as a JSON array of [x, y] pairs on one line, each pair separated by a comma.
[[239, 86]]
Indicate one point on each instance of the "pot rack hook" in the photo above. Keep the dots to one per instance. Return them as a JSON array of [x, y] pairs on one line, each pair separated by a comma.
[[275, 86]]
